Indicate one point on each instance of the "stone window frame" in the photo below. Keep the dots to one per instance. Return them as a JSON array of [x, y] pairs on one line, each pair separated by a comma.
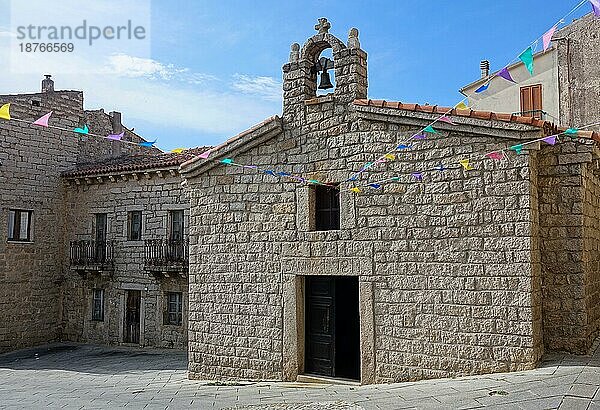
[[178, 312], [17, 212], [305, 210], [98, 310]]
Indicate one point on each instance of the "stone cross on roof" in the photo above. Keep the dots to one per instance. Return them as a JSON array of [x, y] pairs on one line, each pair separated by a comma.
[[323, 26]]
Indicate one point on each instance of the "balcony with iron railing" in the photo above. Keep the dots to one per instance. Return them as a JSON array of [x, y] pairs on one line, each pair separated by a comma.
[[94, 256], [166, 256]]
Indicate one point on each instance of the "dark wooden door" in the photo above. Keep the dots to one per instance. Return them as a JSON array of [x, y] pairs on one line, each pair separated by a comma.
[[101, 228], [132, 317], [320, 325]]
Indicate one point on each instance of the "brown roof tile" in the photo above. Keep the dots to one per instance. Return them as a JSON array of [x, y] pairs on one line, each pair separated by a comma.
[[131, 163]]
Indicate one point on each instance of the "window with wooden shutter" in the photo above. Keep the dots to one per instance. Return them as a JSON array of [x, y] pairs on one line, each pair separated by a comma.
[[531, 101]]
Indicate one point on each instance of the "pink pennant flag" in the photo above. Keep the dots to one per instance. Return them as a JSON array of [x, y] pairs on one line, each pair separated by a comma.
[[446, 120], [550, 140], [205, 154], [497, 155], [504, 73], [116, 137], [547, 38], [43, 120]]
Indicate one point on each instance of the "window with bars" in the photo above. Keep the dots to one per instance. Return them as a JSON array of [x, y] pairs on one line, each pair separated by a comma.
[[19, 225], [134, 226], [98, 305], [174, 308], [327, 208]]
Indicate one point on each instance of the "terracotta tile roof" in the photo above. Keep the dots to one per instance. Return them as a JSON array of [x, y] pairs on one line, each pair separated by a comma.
[[434, 109], [131, 163]]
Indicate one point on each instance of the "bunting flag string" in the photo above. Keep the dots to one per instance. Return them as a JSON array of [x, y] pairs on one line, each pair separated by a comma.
[[467, 163], [526, 57], [43, 121], [278, 174]]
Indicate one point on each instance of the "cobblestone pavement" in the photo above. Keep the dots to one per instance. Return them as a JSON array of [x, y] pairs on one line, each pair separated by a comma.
[[84, 376]]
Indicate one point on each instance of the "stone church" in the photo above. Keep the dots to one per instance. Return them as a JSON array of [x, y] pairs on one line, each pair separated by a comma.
[[466, 271]]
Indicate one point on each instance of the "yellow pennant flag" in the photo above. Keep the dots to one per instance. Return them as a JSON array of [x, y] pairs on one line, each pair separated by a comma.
[[465, 164], [356, 190], [461, 106], [5, 112], [391, 157], [178, 150]]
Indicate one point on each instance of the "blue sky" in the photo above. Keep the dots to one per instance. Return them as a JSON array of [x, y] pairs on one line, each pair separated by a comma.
[[214, 67]]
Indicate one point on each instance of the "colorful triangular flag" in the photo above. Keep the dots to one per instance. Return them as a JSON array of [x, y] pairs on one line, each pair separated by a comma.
[[178, 150], [205, 154], [547, 38], [517, 148], [353, 178], [527, 58], [420, 136], [482, 88], [5, 112], [269, 172], [314, 181], [391, 157], [504, 73], [376, 186], [147, 144], [571, 131], [550, 140], [496, 155], [356, 190], [465, 164], [440, 167], [403, 146], [430, 130], [462, 106], [595, 7], [446, 120], [283, 174], [43, 120], [417, 175], [116, 137], [84, 130], [226, 161]]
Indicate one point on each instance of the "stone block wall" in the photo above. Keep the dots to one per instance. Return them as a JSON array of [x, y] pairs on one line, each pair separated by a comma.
[[569, 220], [453, 263], [155, 196]]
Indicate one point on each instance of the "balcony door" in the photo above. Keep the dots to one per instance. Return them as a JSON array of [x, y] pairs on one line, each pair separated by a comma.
[[100, 234], [175, 247]]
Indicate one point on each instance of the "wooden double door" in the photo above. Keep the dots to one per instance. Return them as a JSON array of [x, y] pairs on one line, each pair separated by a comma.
[[332, 327]]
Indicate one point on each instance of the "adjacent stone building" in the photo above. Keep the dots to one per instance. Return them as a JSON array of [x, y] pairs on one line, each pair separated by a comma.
[[464, 272], [64, 275]]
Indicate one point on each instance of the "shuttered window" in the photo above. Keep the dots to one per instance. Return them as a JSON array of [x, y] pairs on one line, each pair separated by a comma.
[[531, 101], [19, 225], [134, 226]]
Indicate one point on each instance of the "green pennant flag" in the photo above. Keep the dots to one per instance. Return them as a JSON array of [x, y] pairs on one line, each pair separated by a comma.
[[430, 130], [227, 161], [571, 131], [314, 181], [517, 148], [527, 58]]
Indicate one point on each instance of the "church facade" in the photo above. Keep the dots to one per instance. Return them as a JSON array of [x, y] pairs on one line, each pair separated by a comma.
[[447, 271]]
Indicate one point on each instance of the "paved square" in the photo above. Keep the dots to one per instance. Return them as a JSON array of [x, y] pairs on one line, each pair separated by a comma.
[[85, 376]]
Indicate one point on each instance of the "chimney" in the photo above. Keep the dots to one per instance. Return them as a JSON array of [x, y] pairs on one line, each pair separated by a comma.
[[485, 68], [117, 125], [47, 84]]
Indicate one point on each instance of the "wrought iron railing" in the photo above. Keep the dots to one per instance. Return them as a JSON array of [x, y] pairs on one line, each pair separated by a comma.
[[165, 253], [540, 114], [92, 253]]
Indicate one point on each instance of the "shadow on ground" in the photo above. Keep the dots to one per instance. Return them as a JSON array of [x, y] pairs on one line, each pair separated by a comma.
[[93, 359]]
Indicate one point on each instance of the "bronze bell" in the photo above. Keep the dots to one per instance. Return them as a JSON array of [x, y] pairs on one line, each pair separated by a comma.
[[325, 82]]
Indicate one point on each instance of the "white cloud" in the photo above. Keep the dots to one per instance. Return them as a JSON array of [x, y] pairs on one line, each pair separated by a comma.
[[4, 33], [265, 87]]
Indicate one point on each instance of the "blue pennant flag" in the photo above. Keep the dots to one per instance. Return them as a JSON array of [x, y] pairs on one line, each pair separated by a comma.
[[376, 186], [482, 88]]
